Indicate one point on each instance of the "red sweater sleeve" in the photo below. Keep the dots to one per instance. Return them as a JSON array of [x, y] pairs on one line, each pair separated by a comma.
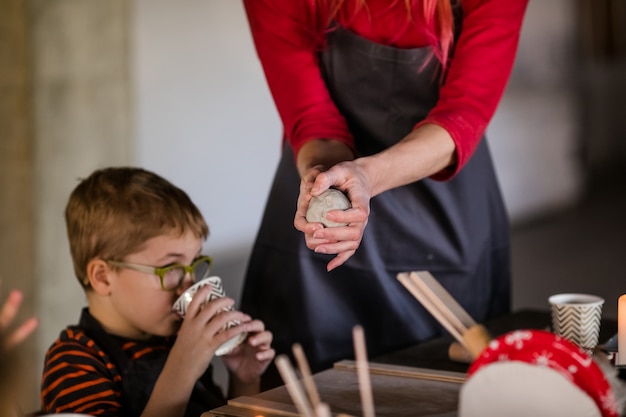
[[478, 73], [286, 34], [286, 37]]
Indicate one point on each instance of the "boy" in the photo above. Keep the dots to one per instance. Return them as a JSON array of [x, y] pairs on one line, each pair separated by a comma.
[[134, 239]]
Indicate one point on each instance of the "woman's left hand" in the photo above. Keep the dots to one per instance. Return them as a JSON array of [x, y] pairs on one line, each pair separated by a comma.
[[343, 241]]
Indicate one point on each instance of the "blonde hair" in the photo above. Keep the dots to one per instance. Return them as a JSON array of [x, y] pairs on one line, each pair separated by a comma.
[[114, 211]]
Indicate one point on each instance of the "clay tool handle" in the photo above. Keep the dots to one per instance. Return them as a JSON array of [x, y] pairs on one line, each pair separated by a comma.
[[458, 353], [476, 339]]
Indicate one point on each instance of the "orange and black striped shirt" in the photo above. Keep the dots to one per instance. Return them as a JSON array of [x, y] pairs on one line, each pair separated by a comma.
[[83, 374]]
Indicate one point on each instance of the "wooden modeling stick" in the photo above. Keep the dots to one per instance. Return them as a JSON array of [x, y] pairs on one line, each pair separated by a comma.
[[365, 385], [427, 290], [293, 387], [305, 371], [417, 292]]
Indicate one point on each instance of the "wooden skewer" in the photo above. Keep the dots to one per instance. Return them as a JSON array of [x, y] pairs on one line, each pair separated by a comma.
[[305, 370], [293, 387], [365, 386]]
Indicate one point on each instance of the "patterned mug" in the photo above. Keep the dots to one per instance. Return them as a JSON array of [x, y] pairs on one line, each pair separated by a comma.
[[217, 291], [576, 317]]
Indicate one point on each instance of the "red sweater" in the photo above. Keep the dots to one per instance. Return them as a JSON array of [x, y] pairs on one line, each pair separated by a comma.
[[285, 32]]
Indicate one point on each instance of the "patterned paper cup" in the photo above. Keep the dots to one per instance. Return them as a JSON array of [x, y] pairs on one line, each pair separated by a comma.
[[217, 291], [576, 317]]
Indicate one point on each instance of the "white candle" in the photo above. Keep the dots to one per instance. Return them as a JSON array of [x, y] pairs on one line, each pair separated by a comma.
[[621, 330]]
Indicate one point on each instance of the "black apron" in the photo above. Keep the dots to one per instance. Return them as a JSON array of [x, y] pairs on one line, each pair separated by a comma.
[[457, 229], [139, 376]]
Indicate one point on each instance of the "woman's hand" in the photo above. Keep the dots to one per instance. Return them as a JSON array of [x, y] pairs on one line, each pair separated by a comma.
[[7, 316], [423, 152], [344, 240]]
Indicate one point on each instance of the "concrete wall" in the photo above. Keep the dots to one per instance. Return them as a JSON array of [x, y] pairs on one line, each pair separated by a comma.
[[82, 122], [17, 266]]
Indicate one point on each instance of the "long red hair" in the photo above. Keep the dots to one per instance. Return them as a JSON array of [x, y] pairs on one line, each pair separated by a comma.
[[435, 14]]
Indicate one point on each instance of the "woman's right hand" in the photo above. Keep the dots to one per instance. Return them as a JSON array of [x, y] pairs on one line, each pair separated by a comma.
[[343, 240]]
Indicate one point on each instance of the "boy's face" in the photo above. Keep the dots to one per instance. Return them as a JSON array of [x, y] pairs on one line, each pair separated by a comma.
[[140, 308]]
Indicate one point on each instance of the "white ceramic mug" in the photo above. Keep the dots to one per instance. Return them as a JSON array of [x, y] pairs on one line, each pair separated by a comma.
[[217, 291]]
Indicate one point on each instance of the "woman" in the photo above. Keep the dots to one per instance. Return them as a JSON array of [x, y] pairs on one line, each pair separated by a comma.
[[388, 101]]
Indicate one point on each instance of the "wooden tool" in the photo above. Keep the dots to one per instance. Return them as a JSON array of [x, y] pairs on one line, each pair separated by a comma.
[[305, 371], [427, 290], [306, 407], [405, 371], [293, 387], [313, 406], [362, 369]]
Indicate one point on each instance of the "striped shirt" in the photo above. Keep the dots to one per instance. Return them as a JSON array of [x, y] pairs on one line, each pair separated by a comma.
[[84, 376]]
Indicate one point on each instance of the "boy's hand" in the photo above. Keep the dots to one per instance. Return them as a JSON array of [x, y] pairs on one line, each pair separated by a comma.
[[201, 333], [251, 358]]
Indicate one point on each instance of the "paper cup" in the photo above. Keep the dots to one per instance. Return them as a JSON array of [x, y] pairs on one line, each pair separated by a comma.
[[217, 291], [576, 317]]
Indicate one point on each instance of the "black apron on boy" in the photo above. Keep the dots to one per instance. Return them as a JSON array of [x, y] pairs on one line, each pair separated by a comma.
[[139, 376], [457, 229]]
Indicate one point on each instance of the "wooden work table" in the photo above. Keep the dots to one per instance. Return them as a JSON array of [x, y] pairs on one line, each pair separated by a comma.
[[417, 381]]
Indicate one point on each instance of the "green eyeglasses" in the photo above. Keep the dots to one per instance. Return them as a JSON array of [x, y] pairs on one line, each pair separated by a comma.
[[172, 276]]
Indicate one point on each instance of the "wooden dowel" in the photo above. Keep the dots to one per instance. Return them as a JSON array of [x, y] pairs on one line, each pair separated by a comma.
[[307, 378], [293, 387], [322, 410], [362, 368]]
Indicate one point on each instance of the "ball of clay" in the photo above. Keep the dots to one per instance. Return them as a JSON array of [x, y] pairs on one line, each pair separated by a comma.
[[330, 199]]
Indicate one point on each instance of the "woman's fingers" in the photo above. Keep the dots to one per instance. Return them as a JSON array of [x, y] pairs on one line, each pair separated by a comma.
[[339, 260]]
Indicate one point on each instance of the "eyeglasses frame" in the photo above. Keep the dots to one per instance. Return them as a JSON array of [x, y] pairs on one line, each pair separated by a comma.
[[161, 271]]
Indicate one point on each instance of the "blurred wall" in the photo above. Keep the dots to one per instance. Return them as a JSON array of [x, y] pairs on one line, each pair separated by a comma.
[[17, 237], [82, 119], [535, 133], [204, 117], [176, 87]]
